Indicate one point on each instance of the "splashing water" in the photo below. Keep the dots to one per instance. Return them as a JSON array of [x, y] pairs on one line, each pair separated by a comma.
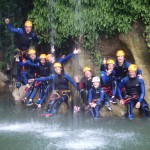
[[49, 134]]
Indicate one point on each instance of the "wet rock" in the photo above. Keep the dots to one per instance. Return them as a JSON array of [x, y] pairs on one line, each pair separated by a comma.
[[18, 93], [135, 41], [3, 80]]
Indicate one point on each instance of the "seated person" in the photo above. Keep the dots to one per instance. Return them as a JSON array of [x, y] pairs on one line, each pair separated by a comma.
[[108, 83], [135, 92], [96, 98], [60, 91], [84, 85]]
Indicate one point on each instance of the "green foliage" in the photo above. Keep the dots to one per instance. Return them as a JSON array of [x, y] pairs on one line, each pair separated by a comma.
[[56, 20]]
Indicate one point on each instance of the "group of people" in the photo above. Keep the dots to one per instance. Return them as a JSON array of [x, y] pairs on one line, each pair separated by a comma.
[[118, 79]]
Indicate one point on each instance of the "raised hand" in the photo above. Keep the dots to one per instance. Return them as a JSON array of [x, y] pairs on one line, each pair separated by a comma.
[[76, 51], [104, 61], [76, 79], [52, 49]]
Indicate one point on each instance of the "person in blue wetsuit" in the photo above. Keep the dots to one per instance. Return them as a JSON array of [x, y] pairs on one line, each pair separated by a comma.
[[60, 83], [108, 83], [135, 92], [24, 35], [84, 85], [24, 38], [44, 71], [96, 98], [32, 64]]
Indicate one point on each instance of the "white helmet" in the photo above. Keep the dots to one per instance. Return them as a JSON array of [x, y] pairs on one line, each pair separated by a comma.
[[95, 79]]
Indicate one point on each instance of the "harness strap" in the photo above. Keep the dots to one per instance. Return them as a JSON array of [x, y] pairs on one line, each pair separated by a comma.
[[127, 98], [107, 90], [57, 94]]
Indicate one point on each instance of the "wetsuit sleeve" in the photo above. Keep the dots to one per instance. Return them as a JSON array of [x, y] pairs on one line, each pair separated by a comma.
[[103, 76], [66, 58], [101, 97], [67, 77], [33, 64], [34, 37], [14, 30], [22, 64], [102, 67], [142, 90], [120, 85], [139, 71], [51, 77], [90, 97]]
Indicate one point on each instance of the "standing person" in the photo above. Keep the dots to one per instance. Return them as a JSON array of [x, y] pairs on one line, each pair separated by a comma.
[[23, 41], [96, 98], [83, 86], [108, 82], [61, 91], [135, 92]]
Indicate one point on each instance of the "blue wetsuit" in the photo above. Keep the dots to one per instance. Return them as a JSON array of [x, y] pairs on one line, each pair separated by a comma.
[[135, 92], [98, 95], [24, 39], [61, 86], [109, 86], [44, 71], [32, 71]]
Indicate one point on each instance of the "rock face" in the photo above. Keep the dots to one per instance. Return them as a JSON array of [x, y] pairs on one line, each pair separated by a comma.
[[136, 43], [3, 79], [18, 93]]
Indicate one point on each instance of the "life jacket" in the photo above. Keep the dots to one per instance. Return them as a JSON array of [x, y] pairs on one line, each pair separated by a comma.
[[121, 71], [108, 80], [44, 70], [32, 69], [23, 40], [60, 82], [96, 93], [132, 86], [85, 84]]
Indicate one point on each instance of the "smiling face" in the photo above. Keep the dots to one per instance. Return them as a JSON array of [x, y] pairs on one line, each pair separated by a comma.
[[88, 74], [96, 84], [120, 59], [58, 70], [42, 61], [132, 74], [32, 56], [110, 66], [51, 59], [28, 29]]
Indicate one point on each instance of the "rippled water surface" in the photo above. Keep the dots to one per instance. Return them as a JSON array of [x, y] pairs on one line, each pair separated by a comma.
[[23, 129]]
